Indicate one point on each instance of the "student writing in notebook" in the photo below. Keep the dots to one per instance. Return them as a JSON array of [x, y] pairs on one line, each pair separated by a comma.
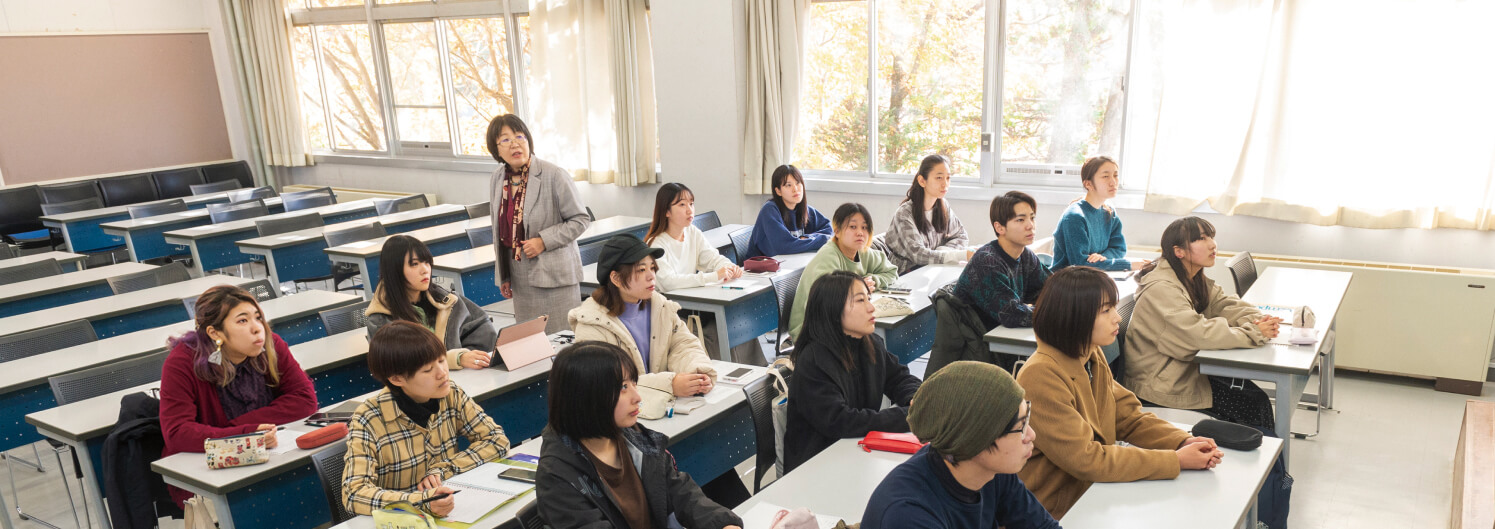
[[402, 442], [598, 466]]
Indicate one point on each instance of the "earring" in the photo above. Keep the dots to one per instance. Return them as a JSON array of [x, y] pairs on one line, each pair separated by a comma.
[[216, 358]]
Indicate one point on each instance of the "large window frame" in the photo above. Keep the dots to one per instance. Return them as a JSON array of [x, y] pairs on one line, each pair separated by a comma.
[[376, 16], [993, 172]]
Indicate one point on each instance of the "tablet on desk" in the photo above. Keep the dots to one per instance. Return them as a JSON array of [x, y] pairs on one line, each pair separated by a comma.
[[524, 343]]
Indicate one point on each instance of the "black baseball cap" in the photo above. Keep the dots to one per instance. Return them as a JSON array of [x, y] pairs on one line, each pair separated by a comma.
[[622, 250]]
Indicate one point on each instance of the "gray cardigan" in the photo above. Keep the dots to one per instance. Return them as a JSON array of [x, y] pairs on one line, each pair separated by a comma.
[[552, 212], [908, 249]]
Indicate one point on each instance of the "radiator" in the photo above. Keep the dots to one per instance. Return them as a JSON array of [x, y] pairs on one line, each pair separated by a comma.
[[1420, 321], [348, 194]]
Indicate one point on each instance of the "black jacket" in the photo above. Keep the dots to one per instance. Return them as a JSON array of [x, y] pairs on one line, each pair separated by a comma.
[[133, 443], [828, 403], [572, 495], [958, 334]]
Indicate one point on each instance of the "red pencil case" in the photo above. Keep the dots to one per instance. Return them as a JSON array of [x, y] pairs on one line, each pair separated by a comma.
[[321, 436], [902, 443]]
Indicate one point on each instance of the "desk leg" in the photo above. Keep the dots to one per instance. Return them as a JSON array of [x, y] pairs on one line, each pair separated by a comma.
[[220, 505], [1326, 374], [1289, 390], [130, 244], [91, 483], [5, 509], [273, 270], [196, 270], [723, 350]]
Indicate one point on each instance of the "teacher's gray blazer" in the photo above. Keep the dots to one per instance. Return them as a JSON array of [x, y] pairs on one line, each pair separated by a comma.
[[552, 212]]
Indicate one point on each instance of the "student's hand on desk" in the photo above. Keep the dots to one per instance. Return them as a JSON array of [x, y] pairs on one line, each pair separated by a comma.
[[1193, 440], [1268, 326], [429, 482], [729, 272], [871, 283], [533, 247], [444, 506], [688, 385], [1199, 456], [475, 359], [506, 290], [1095, 258], [269, 430], [1139, 264]]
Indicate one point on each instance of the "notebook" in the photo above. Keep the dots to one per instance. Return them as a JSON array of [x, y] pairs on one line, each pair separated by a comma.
[[482, 491]]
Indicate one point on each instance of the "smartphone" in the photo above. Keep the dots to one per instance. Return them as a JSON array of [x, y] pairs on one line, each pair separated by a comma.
[[326, 418], [736, 374], [518, 474], [897, 291]]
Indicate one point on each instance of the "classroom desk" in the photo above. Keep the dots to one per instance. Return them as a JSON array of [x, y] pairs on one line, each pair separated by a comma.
[[56, 291], [705, 443], [146, 237], [24, 390], [213, 247], [741, 315], [472, 272], [70, 262], [839, 481], [1021, 341], [115, 315], [909, 337], [441, 239], [1286, 366], [298, 254], [81, 229], [604, 228]]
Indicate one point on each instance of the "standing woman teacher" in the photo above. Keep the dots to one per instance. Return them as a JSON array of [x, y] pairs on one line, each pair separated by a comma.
[[536, 220]]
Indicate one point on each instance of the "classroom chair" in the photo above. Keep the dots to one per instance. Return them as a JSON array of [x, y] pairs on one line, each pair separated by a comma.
[[288, 223], [162, 275], [175, 205], [529, 516], [784, 287], [132, 189], [20, 209], [707, 221], [1124, 309], [395, 205], [760, 396], [345, 271], [481, 210], [82, 204], [8, 251], [590, 252], [1243, 271], [480, 236], [237, 171], [59, 193], [214, 187], [221, 213], [29, 271], [245, 195], [329, 466], [177, 182], [312, 198], [46, 339], [740, 240], [590, 216], [262, 289], [346, 318]]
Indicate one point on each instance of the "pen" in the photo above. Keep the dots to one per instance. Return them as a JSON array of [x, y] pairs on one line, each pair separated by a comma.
[[437, 497], [733, 288]]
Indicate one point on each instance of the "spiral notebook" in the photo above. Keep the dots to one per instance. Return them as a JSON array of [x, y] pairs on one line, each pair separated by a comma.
[[482, 491]]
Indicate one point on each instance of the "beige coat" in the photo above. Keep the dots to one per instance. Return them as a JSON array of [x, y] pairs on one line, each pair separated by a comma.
[[1166, 333], [1078, 419], [672, 348]]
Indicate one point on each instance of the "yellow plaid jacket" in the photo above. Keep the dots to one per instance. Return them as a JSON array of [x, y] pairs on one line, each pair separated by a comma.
[[388, 454]]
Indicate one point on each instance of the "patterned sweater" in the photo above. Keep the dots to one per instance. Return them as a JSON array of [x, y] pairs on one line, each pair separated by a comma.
[[910, 249], [1001, 288]]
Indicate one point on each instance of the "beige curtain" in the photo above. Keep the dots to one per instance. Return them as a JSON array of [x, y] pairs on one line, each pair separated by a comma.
[[775, 45], [592, 82], [1292, 110], [262, 29]]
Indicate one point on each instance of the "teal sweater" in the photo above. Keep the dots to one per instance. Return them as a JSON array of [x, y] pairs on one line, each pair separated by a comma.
[[1085, 230], [829, 258]]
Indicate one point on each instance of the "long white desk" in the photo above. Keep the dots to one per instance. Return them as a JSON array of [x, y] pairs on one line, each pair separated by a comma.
[[55, 291], [145, 237], [1021, 341], [441, 239], [114, 315], [70, 262], [909, 337], [213, 245], [82, 232], [299, 254]]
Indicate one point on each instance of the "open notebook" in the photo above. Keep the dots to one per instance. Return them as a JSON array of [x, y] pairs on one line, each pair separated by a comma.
[[483, 491]]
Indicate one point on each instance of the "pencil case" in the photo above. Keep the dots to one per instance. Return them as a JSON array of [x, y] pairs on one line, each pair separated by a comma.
[[321, 436], [236, 450], [1229, 435], [902, 443]]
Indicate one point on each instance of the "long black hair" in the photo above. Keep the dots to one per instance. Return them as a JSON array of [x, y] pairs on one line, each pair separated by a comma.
[[915, 197], [798, 217], [585, 384], [823, 312], [393, 290], [1179, 234], [663, 201]]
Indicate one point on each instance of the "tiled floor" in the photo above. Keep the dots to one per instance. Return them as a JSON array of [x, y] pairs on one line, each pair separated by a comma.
[[1383, 460]]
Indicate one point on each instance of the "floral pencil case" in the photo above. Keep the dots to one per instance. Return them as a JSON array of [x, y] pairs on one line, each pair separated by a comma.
[[236, 450]]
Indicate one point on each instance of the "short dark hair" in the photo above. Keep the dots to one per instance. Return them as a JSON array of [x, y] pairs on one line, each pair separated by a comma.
[[823, 312], [513, 123], [402, 348], [392, 286], [800, 216], [1064, 315], [843, 215], [1004, 207], [608, 295], [585, 383]]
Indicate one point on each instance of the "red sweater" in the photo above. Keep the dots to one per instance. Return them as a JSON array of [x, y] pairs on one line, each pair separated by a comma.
[[191, 412]]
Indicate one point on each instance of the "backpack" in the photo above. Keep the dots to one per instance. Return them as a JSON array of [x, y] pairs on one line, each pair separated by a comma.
[[133, 443]]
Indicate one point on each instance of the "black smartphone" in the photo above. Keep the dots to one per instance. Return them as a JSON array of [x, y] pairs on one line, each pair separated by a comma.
[[518, 474], [326, 418]]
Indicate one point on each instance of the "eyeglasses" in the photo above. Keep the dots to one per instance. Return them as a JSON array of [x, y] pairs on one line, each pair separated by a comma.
[[516, 137], [1024, 419]]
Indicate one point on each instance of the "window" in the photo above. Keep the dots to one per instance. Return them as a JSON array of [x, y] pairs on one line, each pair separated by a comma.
[[1018, 91], [408, 77]]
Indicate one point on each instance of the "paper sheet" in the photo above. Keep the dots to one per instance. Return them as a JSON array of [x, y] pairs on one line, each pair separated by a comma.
[[482, 491], [285, 441], [761, 516]]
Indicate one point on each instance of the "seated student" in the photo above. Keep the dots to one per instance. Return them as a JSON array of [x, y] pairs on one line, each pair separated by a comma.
[[402, 442], [841, 372], [1089, 233], [1181, 311], [1003, 278], [627, 312], [598, 466], [925, 230], [220, 379], [405, 293], [849, 251], [787, 224], [1082, 411], [966, 476], [689, 261]]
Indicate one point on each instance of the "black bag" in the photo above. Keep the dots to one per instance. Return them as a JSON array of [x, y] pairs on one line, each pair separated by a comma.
[[133, 443], [1229, 435]]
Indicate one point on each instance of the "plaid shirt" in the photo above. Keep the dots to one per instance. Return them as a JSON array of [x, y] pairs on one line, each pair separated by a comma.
[[388, 454]]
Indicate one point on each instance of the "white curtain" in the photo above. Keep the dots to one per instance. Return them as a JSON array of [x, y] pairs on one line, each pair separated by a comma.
[[263, 44], [1372, 114], [593, 89], [775, 46]]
